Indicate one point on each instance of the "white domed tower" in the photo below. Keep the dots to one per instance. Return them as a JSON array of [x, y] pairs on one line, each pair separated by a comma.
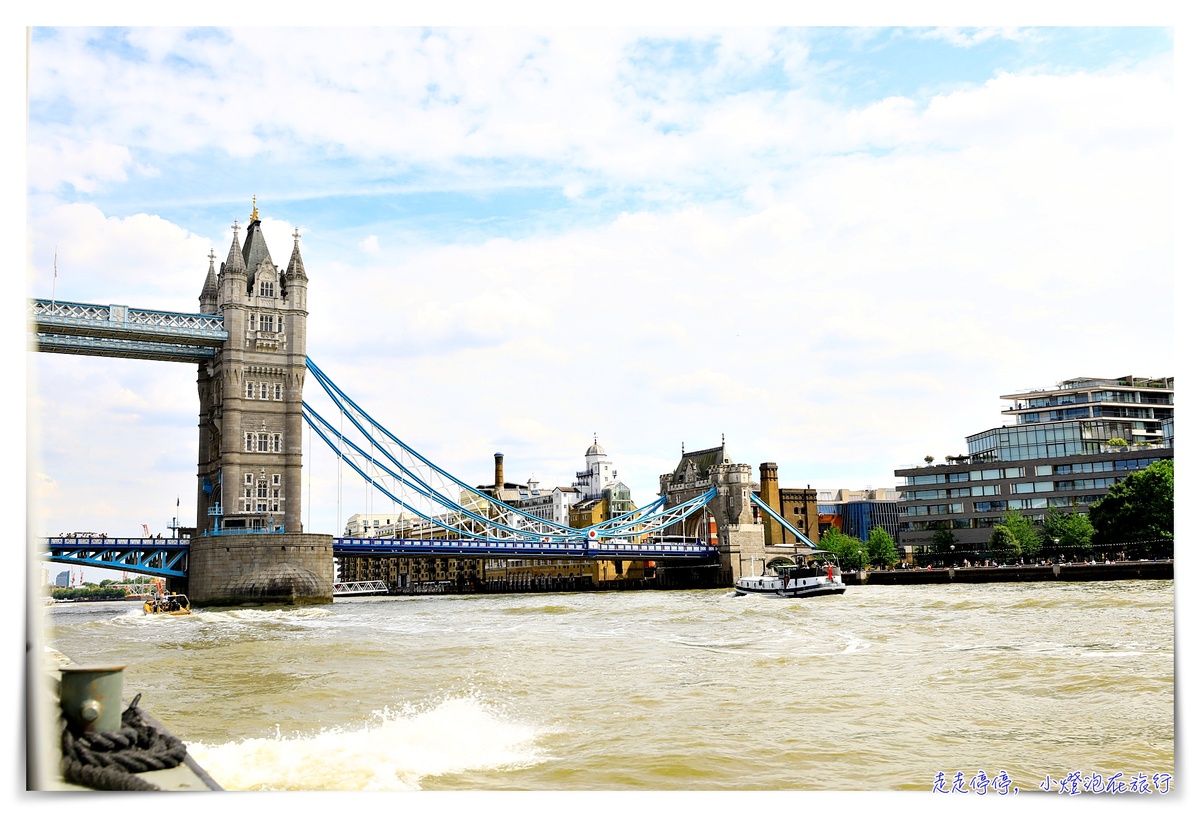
[[598, 472]]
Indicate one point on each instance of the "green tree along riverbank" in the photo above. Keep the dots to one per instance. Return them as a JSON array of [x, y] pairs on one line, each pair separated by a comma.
[[1139, 508], [853, 553], [89, 592]]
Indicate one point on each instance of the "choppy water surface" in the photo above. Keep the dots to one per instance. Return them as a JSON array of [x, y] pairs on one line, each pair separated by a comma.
[[878, 689]]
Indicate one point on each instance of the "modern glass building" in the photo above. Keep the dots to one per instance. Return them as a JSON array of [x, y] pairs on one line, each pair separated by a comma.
[[1069, 446], [1080, 416]]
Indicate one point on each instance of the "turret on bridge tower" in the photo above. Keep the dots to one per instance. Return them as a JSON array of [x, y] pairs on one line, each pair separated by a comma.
[[739, 534]]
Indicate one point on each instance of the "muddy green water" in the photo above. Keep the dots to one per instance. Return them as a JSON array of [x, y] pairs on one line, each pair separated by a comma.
[[878, 689]]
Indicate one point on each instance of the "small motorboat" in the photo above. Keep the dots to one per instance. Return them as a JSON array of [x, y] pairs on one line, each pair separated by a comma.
[[813, 574], [167, 604]]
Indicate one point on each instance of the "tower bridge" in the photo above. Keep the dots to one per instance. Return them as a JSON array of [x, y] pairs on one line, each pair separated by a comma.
[[248, 343]]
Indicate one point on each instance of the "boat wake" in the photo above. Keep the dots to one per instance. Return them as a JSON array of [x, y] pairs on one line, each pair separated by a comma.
[[392, 752]]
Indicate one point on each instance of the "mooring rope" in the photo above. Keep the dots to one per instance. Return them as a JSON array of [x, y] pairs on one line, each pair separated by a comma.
[[110, 761]]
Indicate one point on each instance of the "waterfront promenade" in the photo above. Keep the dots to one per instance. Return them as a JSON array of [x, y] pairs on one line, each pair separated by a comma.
[[1070, 572]]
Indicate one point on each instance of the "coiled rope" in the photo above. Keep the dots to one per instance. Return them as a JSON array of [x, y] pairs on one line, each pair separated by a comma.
[[110, 761]]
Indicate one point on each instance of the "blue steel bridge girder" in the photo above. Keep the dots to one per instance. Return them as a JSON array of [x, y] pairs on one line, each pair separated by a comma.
[[113, 330], [504, 548], [152, 557]]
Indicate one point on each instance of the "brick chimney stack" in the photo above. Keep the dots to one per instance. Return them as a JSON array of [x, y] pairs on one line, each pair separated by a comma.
[[768, 479]]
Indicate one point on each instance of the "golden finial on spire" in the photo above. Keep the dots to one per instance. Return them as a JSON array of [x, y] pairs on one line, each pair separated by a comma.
[[254, 215]]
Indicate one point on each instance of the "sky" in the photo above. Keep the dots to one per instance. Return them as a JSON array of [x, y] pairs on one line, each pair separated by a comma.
[[833, 247]]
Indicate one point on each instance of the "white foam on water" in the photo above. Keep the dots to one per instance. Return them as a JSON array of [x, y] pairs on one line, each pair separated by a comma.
[[854, 645], [393, 752]]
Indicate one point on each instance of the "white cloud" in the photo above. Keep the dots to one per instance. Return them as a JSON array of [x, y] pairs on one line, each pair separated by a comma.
[[968, 37], [79, 254], [57, 161], [840, 290]]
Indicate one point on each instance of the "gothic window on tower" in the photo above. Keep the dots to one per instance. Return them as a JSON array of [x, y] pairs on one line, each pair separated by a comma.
[[262, 391], [249, 390], [249, 479], [267, 322], [277, 443], [266, 289], [278, 391], [249, 440], [253, 322], [264, 442]]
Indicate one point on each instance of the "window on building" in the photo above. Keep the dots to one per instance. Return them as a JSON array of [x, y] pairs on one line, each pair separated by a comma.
[[249, 390], [262, 391], [278, 391], [266, 289]]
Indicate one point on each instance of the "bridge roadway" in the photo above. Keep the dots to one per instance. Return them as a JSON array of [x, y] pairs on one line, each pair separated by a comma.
[[110, 330], [168, 557], [578, 549]]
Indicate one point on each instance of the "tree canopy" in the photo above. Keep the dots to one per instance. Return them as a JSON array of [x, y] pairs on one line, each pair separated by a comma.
[[1029, 541], [881, 547], [846, 548], [1139, 508], [1002, 543], [1067, 530], [943, 538]]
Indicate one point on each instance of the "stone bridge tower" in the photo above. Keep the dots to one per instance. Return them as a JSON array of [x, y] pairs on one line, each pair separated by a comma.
[[251, 434], [251, 426], [739, 534]]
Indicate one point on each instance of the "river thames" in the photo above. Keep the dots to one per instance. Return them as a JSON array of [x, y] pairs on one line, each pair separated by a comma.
[[880, 689]]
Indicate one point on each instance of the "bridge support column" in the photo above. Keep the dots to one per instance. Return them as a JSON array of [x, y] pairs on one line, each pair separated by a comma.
[[742, 551], [260, 568]]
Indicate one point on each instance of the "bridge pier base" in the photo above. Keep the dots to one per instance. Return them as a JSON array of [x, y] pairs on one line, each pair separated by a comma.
[[260, 568], [742, 552]]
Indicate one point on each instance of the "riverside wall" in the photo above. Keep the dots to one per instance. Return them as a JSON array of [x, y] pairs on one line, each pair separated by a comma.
[[1080, 572]]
